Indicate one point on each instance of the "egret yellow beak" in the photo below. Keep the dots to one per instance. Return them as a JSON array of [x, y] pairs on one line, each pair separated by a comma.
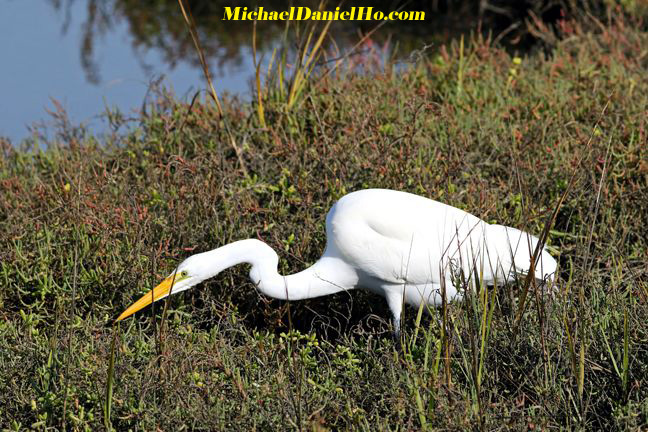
[[155, 294]]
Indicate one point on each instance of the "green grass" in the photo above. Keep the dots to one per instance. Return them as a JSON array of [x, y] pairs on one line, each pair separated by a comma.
[[85, 228]]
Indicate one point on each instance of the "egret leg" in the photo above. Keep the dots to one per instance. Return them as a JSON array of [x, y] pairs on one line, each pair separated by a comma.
[[395, 303], [396, 323]]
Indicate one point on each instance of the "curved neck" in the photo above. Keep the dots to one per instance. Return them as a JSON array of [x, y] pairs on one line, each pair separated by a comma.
[[326, 276]]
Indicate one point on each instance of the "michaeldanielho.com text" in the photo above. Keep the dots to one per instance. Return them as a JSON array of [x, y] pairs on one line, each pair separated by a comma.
[[303, 13]]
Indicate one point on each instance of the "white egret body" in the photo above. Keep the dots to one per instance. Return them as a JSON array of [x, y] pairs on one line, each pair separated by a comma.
[[395, 244]]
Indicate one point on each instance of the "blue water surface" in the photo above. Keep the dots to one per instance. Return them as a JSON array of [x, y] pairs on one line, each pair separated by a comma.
[[41, 61]]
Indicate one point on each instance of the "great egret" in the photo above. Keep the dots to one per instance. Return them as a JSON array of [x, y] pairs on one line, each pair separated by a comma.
[[395, 244]]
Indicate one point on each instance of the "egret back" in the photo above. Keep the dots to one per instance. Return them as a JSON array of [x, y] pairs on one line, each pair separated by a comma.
[[399, 237]]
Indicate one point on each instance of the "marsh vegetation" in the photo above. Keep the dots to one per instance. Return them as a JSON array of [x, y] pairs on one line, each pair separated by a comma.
[[86, 226]]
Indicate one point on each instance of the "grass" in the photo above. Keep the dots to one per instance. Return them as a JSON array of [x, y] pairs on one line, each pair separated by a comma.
[[87, 226]]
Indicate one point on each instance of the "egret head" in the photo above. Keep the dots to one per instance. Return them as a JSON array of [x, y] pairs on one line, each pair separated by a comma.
[[189, 273]]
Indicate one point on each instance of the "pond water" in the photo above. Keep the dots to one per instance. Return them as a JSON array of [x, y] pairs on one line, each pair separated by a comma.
[[42, 61], [84, 56]]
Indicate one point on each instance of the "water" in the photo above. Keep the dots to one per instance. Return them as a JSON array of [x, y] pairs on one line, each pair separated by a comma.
[[42, 61], [89, 55]]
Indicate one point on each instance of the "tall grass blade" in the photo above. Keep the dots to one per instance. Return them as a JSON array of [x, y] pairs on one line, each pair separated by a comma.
[[445, 339], [530, 277], [257, 67], [420, 407], [581, 371], [191, 25], [108, 396], [610, 352], [460, 67], [306, 63], [572, 348], [626, 353], [417, 323]]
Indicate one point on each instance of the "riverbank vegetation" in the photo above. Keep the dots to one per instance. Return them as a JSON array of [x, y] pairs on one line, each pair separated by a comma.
[[89, 223]]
